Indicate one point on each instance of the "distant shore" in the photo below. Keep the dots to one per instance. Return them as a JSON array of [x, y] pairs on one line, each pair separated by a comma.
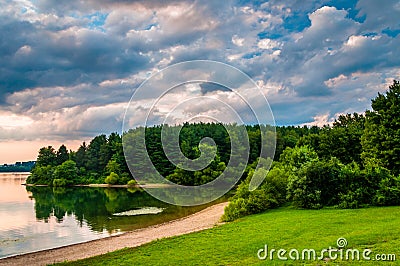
[[110, 186], [16, 173]]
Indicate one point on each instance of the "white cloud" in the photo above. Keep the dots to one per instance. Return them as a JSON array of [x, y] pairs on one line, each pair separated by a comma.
[[11, 120], [123, 20], [24, 50], [356, 41], [237, 41], [268, 44]]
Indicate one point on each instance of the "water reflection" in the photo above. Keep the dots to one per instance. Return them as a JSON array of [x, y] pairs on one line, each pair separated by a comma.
[[96, 207], [37, 218]]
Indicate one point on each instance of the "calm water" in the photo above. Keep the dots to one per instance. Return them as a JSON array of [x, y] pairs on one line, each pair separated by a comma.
[[37, 218]]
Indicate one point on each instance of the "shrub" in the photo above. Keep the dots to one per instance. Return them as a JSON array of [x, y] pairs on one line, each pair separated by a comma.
[[354, 192], [112, 179], [388, 193], [295, 158], [131, 183], [315, 184], [237, 208], [350, 200], [41, 175], [67, 171], [270, 194]]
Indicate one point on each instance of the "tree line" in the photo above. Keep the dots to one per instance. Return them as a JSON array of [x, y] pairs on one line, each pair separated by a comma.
[[103, 160], [350, 164], [17, 167], [100, 161]]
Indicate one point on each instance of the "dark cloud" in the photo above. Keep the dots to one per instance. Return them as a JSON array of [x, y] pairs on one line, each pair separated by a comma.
[[379, 15], [33, 57], [207, 87], [81, 60], [84, 6]]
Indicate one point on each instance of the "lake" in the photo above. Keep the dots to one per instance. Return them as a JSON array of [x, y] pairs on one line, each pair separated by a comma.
[[38, 218]]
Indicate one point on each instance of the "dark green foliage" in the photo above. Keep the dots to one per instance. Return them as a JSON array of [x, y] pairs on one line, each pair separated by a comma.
[[269, 195], [17, 167], [112, 166], [355, 191], [315, 184], [80, 156], [342, 140], [97, 154], [41, 175], [67, 171], [62, 155], [105, 154], [200, 177], [289, 137], [373, 185], [388, 192], [47, 156], [295, 158], [381, 138]]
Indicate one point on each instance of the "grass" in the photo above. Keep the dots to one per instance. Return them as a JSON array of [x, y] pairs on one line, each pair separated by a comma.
[[237, 243]]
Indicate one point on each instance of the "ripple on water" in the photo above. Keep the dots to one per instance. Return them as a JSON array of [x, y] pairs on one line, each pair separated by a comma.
[[141, 211]]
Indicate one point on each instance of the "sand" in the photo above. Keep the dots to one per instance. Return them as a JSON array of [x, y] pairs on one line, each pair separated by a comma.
[[201, 220]]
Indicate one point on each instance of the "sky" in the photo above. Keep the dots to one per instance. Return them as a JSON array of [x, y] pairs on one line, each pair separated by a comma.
[[69, 68]]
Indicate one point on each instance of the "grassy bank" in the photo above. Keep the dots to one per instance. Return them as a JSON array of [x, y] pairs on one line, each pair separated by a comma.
[[237, 243]]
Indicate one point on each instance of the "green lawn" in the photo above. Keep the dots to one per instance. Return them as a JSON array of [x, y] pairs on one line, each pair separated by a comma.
[[237, 243]]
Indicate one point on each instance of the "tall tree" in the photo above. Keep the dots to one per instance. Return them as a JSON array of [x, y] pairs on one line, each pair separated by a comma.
[[341, 140], [95, 153], [381, 138], [62, 154], [47, 156], [80, 156]]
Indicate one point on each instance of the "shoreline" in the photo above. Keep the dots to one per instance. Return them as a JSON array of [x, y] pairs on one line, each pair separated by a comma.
[[108, 186], [198, 221]]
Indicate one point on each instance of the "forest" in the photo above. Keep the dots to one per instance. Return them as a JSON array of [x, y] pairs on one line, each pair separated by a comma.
[[350, 164], [17, 167], [103, 160]]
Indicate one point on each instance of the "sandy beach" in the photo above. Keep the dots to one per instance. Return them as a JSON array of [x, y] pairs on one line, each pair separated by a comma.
[[201, 220]]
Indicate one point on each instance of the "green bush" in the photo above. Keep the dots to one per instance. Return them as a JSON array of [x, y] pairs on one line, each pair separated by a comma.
[[66, 171], [354, 191], [388, 193], [59, 182], [271, 194], [112, 179], [315, 184], [131, 183], [294, 158], [41, 175], [237, 208]]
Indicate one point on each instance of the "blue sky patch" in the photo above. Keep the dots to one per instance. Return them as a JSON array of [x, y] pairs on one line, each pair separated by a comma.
[[97, 20], [391, 32]]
